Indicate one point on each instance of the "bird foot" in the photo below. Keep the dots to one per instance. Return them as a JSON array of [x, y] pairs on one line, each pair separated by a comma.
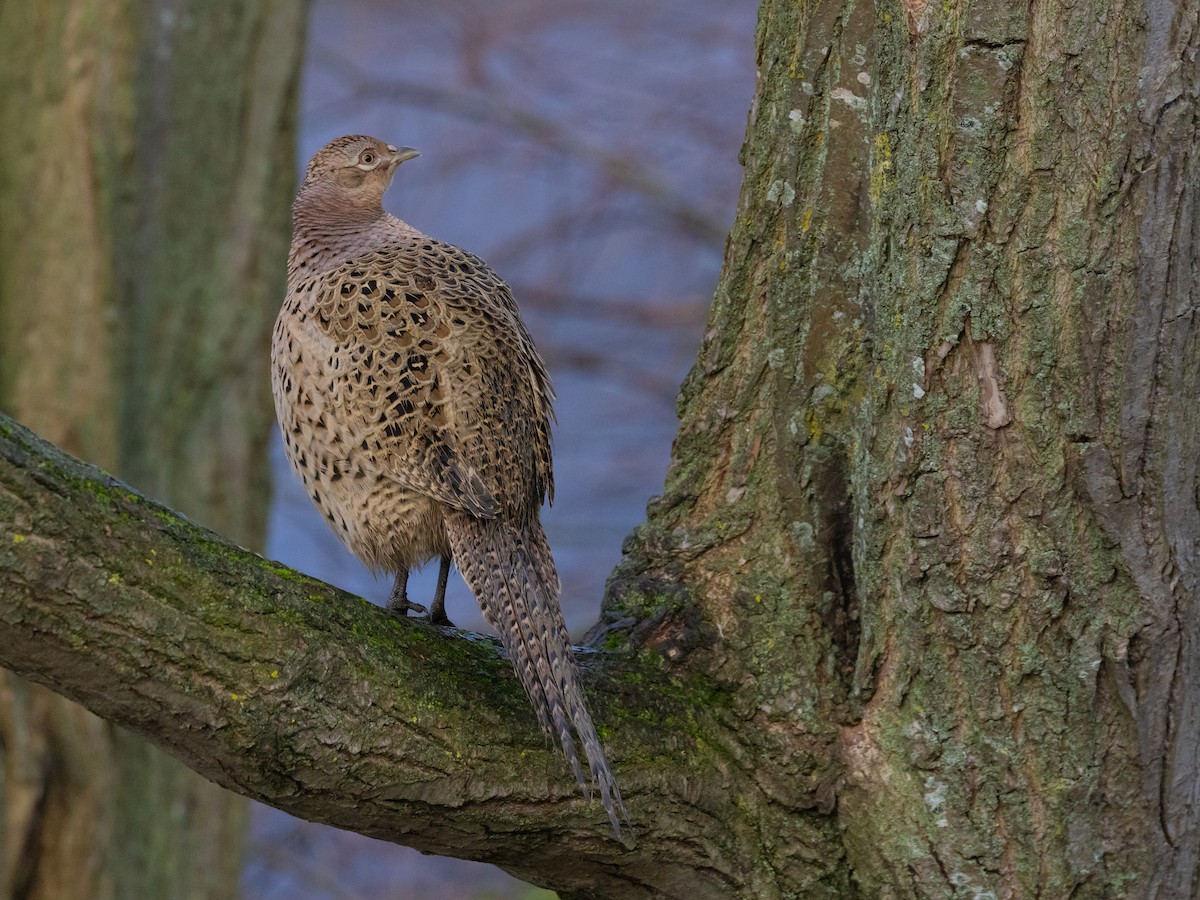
[[400, 608], [404, 609], [438, 617]]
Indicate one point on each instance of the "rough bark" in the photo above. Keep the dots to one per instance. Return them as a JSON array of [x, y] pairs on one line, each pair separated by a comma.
[[291, 692], [934, 498], [915, 614], [145, 168]]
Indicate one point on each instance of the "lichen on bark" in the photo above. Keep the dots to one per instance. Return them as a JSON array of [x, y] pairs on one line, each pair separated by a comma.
[[915, 613], [929, 408]]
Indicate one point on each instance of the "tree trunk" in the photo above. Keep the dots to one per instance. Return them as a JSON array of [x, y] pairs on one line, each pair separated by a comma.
[[146, 160], [934, 495], [915, 614]]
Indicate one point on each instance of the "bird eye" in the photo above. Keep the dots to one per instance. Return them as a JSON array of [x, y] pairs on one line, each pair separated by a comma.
[[367, 157]]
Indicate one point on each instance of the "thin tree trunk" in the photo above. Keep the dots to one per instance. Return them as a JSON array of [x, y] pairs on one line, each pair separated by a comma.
[[145, 165]]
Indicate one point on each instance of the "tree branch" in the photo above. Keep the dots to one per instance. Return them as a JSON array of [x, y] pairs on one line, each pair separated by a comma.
[[284, 689]]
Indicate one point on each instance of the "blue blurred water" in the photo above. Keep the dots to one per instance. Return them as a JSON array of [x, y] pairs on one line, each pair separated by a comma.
[[588, 151]]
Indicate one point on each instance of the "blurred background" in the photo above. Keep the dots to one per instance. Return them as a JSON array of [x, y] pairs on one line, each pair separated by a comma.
[[588, 151]]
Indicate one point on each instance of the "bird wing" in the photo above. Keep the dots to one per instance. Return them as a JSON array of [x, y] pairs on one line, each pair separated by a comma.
[[434, 370]]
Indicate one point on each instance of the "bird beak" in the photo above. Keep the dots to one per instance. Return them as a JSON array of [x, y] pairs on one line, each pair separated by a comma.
[[401, 154]]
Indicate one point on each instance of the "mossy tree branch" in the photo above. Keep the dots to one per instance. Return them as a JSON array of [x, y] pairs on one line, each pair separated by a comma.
[[289, 691], [922, 584]]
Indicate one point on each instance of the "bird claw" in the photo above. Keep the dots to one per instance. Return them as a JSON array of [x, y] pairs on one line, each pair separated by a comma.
[[419, 611], [402, 608]]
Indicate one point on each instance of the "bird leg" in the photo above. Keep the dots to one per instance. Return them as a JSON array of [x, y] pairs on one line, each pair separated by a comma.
[[437, 610], [398, 603]]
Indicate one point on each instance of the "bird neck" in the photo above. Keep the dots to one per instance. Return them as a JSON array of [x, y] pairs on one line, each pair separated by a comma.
[[324, 234]]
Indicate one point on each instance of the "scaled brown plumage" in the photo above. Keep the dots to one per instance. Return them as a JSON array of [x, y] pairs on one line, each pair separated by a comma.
[[416, 410]]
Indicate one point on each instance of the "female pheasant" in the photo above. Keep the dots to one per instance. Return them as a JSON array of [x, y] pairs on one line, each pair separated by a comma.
[[416, 410]]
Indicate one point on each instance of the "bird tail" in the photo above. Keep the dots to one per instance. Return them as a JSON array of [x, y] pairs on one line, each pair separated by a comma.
[[510, 571]]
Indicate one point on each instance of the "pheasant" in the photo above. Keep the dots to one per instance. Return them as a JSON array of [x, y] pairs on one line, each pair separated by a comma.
[[416, 411]]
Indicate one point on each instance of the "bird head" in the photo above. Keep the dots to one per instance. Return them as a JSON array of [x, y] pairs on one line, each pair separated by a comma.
[[349, 175]]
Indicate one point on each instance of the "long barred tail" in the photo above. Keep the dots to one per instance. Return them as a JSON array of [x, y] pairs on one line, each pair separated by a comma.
[[511, 573]]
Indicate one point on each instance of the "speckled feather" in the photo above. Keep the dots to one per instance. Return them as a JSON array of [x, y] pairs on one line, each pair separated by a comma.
[[416, 410]]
